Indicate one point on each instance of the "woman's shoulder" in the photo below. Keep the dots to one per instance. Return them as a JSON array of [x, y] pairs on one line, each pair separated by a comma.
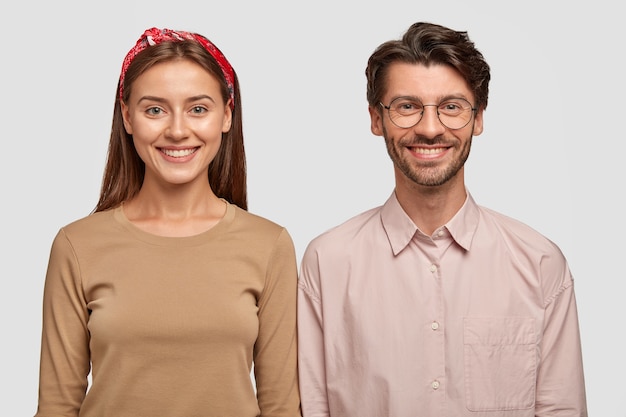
[[90, 224], [258, 225], [91, 219], [257, 220]]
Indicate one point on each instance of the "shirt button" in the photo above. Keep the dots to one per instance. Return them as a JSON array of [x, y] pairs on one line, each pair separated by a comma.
[[434, 325], [440, 233], [435, 384], [433, 268]]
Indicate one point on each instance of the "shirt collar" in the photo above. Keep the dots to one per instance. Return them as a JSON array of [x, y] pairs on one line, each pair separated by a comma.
[[400, 229]]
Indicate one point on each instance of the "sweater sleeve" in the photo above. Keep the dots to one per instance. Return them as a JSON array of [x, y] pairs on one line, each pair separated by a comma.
[[64, 362], [275, 351]]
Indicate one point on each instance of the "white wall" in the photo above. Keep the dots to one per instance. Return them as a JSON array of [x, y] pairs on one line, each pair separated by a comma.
[[551, 154]]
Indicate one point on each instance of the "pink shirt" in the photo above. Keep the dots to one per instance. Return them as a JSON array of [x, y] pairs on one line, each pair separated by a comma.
[[478, 319]]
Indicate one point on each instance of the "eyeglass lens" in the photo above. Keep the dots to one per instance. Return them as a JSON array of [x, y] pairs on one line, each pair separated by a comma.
[[406, 112]]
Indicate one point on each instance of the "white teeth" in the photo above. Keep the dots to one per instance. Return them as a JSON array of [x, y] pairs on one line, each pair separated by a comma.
[[428, 151], [178, 153]]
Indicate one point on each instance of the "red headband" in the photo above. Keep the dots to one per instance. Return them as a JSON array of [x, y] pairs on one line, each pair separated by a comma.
[[156, 36]]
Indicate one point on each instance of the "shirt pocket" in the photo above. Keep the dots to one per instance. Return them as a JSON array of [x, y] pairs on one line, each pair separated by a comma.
[[500, 363]]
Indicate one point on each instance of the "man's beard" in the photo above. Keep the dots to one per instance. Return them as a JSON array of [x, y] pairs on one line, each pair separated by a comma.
[[426, 174]]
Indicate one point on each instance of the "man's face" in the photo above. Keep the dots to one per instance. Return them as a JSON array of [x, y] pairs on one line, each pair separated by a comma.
[[429, 153]]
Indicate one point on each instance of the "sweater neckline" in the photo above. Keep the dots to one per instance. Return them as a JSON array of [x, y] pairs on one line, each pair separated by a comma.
[[192, 240]]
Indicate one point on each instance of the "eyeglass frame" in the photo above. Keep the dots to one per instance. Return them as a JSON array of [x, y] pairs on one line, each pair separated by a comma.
[[388, 108]]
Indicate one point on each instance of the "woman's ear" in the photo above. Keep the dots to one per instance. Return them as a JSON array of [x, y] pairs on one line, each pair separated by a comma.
[[126, 118], [228, 117]]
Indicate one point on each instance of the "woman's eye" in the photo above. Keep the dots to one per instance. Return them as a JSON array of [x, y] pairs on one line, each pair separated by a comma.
[[198, 109], [154, 111]]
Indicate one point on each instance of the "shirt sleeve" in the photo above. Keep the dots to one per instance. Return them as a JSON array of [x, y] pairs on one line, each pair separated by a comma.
[[64, 362], [560, 380], [311, 358], [275, 351]]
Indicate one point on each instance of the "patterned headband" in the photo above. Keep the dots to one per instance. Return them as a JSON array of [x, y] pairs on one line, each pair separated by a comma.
[[156, 36]]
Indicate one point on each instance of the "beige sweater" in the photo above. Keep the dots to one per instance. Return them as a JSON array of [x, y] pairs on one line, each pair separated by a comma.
[[171, 327]]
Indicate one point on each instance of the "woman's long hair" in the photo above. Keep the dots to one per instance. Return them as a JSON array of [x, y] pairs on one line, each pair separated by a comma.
[[124, 170]]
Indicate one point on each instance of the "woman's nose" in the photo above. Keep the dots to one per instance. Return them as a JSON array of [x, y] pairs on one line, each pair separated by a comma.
[[177, 129]]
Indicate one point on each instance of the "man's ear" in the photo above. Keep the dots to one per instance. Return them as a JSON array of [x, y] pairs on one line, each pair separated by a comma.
[[478, 122], [376, 119]]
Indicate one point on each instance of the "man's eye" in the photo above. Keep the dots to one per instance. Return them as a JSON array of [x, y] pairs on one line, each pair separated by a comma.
[[454, 108], [405, 107]]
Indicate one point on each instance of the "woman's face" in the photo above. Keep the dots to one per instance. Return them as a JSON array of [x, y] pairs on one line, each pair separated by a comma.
[[176, 116]]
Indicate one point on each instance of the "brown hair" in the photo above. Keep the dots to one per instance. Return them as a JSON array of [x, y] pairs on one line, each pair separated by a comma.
[[124, 169], [427, 43]]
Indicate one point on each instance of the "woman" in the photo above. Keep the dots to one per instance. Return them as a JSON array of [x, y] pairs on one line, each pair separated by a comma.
[[171, 291]]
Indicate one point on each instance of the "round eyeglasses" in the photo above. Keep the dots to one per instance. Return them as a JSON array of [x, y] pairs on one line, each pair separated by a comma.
[[453, 113]]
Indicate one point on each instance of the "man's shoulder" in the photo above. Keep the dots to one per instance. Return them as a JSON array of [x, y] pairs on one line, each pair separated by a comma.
[[513, 229], [340, 235]]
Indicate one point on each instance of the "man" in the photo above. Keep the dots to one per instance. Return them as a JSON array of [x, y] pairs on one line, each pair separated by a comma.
[[431, 305]]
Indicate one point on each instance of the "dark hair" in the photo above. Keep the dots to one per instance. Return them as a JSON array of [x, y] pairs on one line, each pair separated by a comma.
[[124, 169], [427, 43]]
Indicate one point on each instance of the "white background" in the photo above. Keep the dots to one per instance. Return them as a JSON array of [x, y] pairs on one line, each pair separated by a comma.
[[551, 155]]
